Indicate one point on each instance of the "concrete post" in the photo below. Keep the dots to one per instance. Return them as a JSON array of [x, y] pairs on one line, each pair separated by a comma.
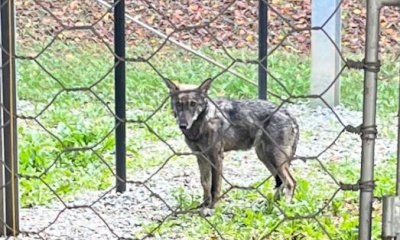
[[325, 58]]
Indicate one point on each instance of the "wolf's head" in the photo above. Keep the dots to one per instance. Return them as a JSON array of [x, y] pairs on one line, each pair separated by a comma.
[[188, 102]]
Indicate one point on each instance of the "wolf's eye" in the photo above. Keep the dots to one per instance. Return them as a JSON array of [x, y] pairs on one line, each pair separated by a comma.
[[193, 104], [179, 105]]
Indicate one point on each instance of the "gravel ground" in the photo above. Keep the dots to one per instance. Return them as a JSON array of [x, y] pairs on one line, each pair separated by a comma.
[[112, 215]]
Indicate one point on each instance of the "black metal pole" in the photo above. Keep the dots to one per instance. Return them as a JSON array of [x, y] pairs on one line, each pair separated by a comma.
[[262, 49], [9, 118], [120, 131]]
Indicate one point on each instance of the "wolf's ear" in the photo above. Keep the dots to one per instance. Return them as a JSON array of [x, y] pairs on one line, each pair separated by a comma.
[[171, 85], [204, 86]]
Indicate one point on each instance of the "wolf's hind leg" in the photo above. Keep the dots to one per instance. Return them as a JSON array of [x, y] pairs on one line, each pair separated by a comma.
[[283, 164], [277, 163], [265, 159]]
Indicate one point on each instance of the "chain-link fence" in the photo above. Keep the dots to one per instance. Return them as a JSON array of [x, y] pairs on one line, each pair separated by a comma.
[[88, 109]]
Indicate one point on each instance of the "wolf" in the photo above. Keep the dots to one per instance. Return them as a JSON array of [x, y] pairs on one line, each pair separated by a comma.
[[212, 127]]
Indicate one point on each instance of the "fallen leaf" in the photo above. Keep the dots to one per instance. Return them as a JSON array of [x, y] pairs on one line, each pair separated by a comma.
[[250, 38]]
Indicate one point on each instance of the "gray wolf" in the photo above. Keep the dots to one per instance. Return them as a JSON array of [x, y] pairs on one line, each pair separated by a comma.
[[214, 127]]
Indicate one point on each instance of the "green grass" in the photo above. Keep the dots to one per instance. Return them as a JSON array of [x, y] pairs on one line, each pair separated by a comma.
[[245, 214], [77, 119]]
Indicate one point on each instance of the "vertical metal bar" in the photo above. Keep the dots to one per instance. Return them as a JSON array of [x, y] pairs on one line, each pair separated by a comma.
[[398, 146], [262, 48], [2, 163], [120, 131], [2, 182], [369, 119], [9, 118], [388, 208], [398, 142]]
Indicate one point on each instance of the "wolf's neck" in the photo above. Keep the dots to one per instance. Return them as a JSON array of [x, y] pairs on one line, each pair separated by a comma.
[[195, 132]]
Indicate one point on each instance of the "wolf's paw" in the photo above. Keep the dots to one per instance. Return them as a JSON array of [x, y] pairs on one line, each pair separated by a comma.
[[207, 212], [278, 194], [289, 196]]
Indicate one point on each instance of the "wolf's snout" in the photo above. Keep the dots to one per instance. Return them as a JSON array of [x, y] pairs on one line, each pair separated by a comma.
[[183, 126]]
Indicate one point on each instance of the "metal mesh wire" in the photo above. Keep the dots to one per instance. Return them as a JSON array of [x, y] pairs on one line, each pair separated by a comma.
[[97, 94]]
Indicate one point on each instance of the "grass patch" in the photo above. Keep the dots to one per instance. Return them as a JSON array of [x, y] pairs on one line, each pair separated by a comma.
[[245, 214]]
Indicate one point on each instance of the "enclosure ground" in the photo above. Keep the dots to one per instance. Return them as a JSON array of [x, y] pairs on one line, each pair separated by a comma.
[[242, 214]]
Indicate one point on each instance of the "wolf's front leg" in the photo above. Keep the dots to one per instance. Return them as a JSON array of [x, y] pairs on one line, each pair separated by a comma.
[[205, 178]]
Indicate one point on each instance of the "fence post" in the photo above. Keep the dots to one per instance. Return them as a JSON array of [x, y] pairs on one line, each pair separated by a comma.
[[369, 118], [398, 146], [325, 62], [2, 162], [2, 184], [262, 48], [398, 141], [9, 118], [120, 131]]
